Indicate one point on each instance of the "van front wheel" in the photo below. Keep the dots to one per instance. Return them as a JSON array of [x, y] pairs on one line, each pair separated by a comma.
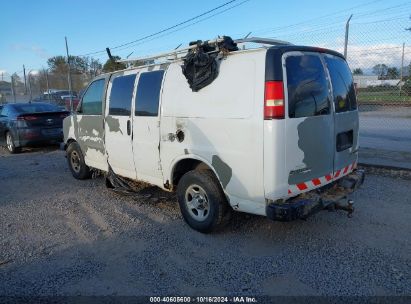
[[76, 162], [202, 202]]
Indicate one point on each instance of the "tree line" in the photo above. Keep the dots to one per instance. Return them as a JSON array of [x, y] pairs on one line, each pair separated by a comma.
[[55, 76], [382, 71]]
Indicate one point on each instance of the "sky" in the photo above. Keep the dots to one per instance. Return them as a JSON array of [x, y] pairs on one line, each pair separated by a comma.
[[32, 31]]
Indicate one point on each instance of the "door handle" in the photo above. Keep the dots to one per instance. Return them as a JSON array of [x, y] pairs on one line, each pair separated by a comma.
[[128, 127]]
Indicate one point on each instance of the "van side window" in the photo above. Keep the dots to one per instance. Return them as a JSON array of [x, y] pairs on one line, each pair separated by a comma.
[[307, 86], [148, 93], [121, 95], [93, 98], [343, 85]]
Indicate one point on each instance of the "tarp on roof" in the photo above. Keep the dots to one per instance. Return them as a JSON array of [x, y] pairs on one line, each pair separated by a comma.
[[200, 64]]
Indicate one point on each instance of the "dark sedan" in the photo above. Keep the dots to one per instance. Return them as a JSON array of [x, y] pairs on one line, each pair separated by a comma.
[[28, 124]]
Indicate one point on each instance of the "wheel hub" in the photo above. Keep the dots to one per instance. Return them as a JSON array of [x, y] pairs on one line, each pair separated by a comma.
[[9, 142], [75, 161], [197, 202]]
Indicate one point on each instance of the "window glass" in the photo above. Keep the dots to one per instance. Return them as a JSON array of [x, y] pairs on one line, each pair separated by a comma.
[[35, 108], [148, 93], [307, 86], [93, 98], [121, 95], [343, 85], [4, 111]]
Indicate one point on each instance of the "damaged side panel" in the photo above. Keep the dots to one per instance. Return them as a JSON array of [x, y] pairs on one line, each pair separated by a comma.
[[88, 131]]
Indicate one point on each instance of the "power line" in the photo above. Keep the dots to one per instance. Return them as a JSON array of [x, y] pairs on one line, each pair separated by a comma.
[[191, 24], [177, 30], [166, 29], [276, 29], [394, 18]]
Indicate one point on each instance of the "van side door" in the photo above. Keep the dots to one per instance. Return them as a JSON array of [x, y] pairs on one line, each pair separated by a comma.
[[310, 122], [118, 124], [345, 117], [146, 127]]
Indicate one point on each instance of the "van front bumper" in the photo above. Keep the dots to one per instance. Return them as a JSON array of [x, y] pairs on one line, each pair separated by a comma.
[[329, 196]]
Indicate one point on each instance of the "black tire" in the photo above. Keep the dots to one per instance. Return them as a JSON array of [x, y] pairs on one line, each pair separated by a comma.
[[205, 192], [10, 145], [75, 160]]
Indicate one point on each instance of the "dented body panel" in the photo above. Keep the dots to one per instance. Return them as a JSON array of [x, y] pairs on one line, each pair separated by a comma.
[[88, 131], [222, 124]]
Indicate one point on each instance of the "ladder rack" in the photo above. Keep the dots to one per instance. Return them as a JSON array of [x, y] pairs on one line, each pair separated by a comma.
[[177, 52], [263, 41]]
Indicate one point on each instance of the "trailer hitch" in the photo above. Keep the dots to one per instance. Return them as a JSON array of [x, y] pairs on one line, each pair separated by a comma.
[[349, 207]]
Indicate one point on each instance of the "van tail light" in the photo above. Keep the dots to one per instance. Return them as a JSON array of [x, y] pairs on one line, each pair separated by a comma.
[[274, 100]]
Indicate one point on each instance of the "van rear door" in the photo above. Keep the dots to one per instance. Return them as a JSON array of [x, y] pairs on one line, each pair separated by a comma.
[[345, 116], [310, 122]]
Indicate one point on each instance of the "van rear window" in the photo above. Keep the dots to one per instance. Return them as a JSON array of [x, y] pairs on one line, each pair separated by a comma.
[[342, 83], [307, 86]]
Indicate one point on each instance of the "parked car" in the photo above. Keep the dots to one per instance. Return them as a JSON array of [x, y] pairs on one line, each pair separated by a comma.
[[67, 103], [27, 124], [274, 134]]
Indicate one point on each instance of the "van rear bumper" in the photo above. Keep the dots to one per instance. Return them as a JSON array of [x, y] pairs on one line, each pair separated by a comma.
[[306, 204]]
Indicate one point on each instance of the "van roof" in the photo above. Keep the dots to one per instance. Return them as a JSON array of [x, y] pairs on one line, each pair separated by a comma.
[[274, 53]]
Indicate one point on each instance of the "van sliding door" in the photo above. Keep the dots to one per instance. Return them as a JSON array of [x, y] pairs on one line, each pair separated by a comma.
[[118, 124]]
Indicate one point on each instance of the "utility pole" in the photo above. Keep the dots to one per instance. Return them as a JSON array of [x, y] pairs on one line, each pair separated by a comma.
[[347, 27], [12, 89], [402, 66], [47, 83], [31, 95], [69, 76], [25, 84]]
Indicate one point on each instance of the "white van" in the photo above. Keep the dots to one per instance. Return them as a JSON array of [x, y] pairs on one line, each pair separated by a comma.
[[274, 134]]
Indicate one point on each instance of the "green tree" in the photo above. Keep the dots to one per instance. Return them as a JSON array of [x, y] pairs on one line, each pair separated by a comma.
[[393, 73], [58, 64], [406, 88], [380, 70], [112, 65], [83, 69], [95, 67], [358, 71]]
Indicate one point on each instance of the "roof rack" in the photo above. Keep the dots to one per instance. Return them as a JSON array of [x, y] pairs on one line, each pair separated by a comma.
[[263, 41], [175, 53]]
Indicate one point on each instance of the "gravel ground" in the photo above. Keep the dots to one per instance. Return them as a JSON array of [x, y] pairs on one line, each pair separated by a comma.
[[61, 236]]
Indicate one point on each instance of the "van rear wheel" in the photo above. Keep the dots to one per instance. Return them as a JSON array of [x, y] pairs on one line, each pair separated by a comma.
[[202, 202], [76, 162]]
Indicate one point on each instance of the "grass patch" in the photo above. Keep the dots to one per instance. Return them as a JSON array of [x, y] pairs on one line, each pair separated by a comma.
[[382, 95]]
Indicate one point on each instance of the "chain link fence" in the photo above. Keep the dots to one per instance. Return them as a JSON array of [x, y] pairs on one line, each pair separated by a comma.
[[379, 55]]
